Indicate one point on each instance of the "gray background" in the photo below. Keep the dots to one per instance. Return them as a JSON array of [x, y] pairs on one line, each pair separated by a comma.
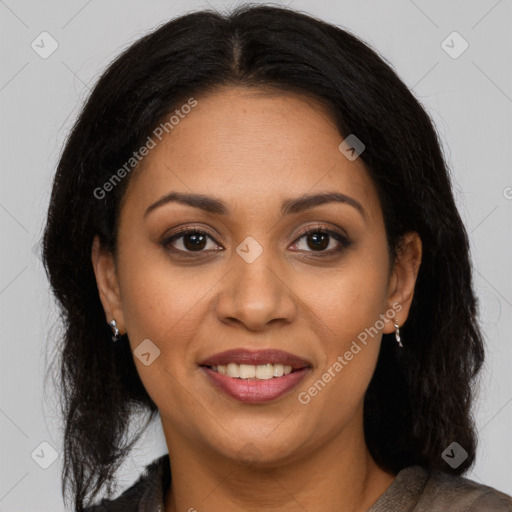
[[469, 98]]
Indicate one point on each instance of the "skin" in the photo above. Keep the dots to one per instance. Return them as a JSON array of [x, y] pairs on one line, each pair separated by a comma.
[[253, 149]]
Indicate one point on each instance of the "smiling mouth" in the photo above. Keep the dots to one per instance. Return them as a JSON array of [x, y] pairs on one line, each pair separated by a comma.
[[254, 384], [253, 372]]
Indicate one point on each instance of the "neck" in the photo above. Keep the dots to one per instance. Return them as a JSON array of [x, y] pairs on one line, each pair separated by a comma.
[[341, 475]]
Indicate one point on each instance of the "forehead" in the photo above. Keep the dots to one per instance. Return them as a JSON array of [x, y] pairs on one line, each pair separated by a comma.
[[250, 145]]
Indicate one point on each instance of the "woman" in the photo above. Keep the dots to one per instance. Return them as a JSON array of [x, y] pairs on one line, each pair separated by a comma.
[[253, 237]]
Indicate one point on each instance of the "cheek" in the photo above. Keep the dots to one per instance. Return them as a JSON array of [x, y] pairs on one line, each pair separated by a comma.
[[347, 305], [166, 306], [160, 299], [349, 299]]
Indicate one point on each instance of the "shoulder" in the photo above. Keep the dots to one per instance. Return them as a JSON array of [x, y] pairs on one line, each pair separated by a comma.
[[459, 494], [416, 489], [146, 487]]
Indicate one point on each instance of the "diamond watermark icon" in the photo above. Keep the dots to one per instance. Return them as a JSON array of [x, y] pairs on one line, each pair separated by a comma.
[[44, 455], [454, 455], [351, 147], [249, 249], [454, 45], [146, 352], [44, 45]]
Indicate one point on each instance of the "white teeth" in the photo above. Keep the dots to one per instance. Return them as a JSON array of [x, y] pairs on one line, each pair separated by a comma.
[[247, 371], [264, 372], [278, 370], [250, 371], [233, 370]]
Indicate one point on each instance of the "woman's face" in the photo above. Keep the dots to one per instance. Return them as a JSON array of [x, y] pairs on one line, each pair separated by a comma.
[[252, 280]]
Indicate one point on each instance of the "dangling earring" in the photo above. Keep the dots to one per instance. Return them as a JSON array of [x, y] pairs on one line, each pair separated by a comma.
[[116, 335], [397, 335]]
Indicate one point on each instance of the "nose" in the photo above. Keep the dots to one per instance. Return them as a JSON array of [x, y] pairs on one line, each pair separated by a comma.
[[256, 294]]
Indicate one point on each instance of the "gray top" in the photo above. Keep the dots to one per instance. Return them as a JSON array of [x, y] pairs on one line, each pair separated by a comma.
[[414, 489]]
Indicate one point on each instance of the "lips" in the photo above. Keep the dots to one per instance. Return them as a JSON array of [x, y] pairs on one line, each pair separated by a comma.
[[258, 357], [254, 391]]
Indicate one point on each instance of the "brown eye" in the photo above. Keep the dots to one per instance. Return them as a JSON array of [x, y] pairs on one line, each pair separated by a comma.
[[322, 240], [188, 240], [318, 241], [194, 241]]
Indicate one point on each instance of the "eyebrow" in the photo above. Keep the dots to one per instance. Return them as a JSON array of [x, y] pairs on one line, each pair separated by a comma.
[[288, 206]]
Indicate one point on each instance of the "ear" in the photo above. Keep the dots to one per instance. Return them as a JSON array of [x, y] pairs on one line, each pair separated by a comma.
[[108, 286], [403, 279]]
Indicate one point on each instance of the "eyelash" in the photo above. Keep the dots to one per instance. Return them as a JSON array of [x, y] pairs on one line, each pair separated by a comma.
[[342, 239], [187, 230]]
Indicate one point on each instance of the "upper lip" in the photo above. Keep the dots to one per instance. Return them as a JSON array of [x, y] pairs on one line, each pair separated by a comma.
[[256, 357]]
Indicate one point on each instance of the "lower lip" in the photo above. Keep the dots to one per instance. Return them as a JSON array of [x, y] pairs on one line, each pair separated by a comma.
[[255, 391]]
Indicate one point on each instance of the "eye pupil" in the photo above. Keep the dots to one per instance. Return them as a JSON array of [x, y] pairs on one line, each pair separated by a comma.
[[323, 238], [194, 241]]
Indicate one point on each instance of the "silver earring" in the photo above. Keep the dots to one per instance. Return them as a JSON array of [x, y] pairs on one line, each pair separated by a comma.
[[397, 335], [115, 331]]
